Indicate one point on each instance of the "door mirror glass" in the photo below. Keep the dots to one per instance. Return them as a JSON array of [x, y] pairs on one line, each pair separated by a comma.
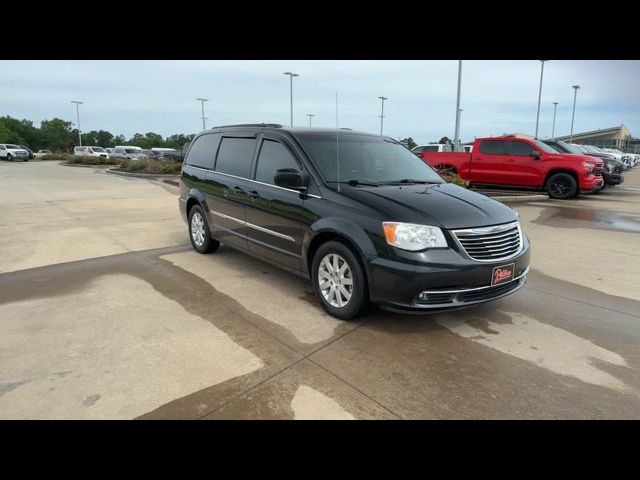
[[289, 178]]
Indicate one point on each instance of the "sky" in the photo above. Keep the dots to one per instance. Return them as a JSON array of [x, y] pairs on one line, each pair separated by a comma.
[[128, 97]]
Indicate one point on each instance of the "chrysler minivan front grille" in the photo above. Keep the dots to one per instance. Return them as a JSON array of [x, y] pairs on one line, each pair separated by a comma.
[[488, 244]]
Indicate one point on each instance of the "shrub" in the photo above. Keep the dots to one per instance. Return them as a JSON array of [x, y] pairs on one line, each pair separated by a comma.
[[149, 165], [78, 160], [455, 179]]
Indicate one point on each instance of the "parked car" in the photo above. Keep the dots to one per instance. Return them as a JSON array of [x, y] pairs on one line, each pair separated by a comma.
[[11, 152], [29, 151], [127, 152], [167, 154], [90, 151], [356, 213], [108, 150], [433, 147], [599, 153], [612, 171], [42, 153], [524, 162], [628, 158]]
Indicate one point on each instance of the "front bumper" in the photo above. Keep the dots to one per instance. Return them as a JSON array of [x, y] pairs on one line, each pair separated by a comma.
[[591, 183], [613, 178], [462, 282]]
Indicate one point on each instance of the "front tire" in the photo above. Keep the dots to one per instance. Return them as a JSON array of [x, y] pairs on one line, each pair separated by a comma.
[[199, 234], [339, 281], [9, 157], [562, 186]]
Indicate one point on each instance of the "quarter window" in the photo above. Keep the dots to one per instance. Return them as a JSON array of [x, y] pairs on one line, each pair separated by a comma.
[[203, 151], [235, 156], [273, 156], [493, 147]]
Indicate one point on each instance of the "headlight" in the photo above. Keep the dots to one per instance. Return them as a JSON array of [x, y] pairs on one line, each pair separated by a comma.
[[409, 236], [609, 167]]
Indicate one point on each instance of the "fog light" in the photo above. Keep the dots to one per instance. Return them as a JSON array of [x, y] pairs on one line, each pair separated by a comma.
[[423, 297]]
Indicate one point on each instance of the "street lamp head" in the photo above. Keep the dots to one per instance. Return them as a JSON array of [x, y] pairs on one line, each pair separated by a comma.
[[202, 99], [291, 74], [576, 87], [76, 101], [383, 98], [555, 103]]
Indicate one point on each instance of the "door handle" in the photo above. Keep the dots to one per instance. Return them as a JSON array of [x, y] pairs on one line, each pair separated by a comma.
[[253, 194], [237, 189]]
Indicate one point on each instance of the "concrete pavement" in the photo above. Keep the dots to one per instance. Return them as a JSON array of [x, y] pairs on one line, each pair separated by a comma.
[[107, 312]]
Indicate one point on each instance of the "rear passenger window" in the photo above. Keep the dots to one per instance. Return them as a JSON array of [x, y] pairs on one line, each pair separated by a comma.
[[203, 151], [520, 148], [493, 147], [273, 156], [235, 155]]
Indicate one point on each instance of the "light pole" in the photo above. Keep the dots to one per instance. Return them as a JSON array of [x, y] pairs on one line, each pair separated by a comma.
[[539, 95], [78, 103], [456, 139], [310, 115], [291, 75], [575, 94], [382, 99], [553, 128], [202, 100], [460, 122]]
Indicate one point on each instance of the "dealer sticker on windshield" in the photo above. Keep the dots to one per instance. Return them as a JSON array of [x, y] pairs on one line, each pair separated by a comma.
[[503, 274]]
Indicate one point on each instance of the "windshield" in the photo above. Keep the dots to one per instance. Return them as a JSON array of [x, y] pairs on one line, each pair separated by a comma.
[[12, 146], [365, 158], [570, 148], [97, 149], [132, 150], [579, 147], [544, 147]]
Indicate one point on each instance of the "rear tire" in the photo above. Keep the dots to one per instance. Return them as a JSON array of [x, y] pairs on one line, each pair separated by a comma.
[[343, 292], [199, 234], [562, 186]]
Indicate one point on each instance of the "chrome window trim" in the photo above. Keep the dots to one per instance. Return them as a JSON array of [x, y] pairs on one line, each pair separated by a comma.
[[464, 290], [255, 227], [255, 181], [488, 230]]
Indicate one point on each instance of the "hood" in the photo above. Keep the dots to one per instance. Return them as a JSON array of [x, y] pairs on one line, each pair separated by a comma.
[[444, 205], [576, 157]]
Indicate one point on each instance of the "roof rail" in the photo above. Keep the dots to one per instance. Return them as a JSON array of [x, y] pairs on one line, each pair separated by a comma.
[[273, 125]]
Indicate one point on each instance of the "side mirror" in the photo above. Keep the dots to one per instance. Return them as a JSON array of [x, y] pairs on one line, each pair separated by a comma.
[[535, 154], [289, 178]]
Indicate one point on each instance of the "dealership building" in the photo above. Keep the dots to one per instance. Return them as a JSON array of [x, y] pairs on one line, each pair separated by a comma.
[[615, 137]]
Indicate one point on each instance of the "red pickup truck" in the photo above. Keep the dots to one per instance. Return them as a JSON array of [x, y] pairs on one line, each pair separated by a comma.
[[520, 161]]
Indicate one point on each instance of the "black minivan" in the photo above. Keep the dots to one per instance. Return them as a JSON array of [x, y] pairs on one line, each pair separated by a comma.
[[358, 214]]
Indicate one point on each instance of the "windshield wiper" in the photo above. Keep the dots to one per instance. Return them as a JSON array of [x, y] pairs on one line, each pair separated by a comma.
[[408, 180], [357, 182]]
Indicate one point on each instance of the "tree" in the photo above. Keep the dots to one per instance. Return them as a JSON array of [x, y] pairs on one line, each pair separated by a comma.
[[409, 142], [445, 140], [105, 139], [57, 134]]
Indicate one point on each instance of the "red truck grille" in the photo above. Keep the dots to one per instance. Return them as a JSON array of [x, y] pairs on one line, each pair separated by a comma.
[[597, 169]]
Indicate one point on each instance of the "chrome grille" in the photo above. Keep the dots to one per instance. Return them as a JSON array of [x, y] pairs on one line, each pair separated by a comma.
[[489, 244]]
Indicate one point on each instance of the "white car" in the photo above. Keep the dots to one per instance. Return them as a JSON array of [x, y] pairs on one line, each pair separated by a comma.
[[627, 158], [432, 147], [42, 153], [11, 152], [128, 152], [90, 151]]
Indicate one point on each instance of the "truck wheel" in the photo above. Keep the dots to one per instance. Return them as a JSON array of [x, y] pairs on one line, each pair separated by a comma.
[[445, 169], [339, 281], [562, 186], [9, 157]]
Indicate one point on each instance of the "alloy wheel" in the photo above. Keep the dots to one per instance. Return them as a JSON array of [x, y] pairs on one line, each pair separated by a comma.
[[197, 229], [335, 280]]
